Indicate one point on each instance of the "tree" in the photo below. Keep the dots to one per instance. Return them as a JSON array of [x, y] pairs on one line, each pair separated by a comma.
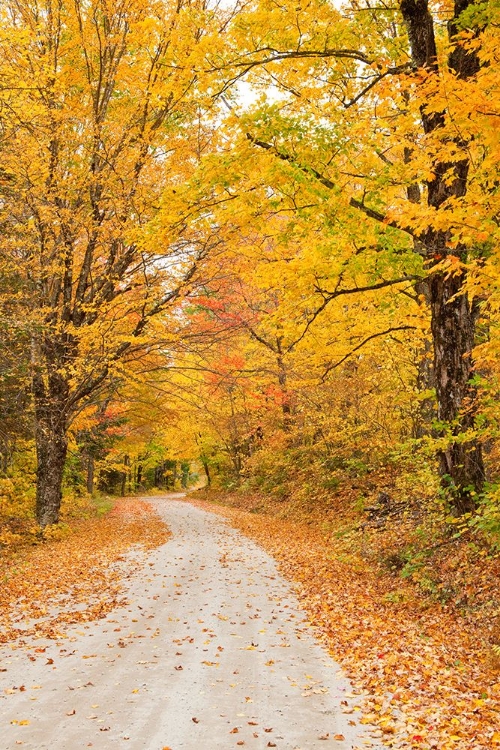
[[97, 102], [376, 108], [271, 369]]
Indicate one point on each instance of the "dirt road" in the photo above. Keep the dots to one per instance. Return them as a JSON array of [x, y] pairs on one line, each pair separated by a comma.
[[211, 653]]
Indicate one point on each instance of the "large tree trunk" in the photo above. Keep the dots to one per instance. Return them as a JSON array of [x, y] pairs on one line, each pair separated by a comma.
[[50, 395], [51, 450], [453, 324], [452, 315]]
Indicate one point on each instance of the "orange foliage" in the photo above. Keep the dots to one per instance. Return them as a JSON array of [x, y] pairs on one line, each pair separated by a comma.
[[75, 577], [421, 671]]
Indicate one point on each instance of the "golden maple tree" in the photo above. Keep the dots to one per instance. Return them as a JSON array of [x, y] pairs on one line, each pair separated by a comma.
[[363, 168], [96, 103], [379, 121]]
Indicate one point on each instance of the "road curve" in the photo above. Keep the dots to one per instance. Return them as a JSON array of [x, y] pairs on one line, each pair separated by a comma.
[[211, 653]]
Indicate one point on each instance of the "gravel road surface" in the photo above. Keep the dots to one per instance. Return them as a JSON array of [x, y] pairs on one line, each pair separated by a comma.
[[211, 653]]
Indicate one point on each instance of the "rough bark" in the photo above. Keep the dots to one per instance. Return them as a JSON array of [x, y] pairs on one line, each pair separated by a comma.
[[453, 325], [51, 448], [453, 317]]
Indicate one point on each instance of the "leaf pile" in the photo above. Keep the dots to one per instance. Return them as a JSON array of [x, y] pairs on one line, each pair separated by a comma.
[[426, 679], [75, 578]]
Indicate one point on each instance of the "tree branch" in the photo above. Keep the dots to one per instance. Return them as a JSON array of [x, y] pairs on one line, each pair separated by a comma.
[[365, 341], [367, 288], [353, 202]]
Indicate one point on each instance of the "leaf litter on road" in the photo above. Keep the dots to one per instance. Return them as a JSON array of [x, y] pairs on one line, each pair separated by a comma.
[[76, 578], [421, 675]]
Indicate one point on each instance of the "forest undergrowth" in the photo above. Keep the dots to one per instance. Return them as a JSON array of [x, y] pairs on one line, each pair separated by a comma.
[[409, 608]]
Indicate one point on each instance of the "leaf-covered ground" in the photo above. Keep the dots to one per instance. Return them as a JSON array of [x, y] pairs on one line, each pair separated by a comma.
[[429, 680], [423, 669], [74, 575]]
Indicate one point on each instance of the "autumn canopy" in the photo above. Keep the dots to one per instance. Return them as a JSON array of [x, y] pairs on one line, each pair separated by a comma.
[[258, 238]]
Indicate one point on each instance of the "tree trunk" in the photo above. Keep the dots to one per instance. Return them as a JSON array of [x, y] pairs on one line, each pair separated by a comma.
[[453, 324], [126, 462], [51, 450], [452, 315], [50, 397], [206, 468], [4, 454], [286, 405], [185, 475], [90, 473]]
